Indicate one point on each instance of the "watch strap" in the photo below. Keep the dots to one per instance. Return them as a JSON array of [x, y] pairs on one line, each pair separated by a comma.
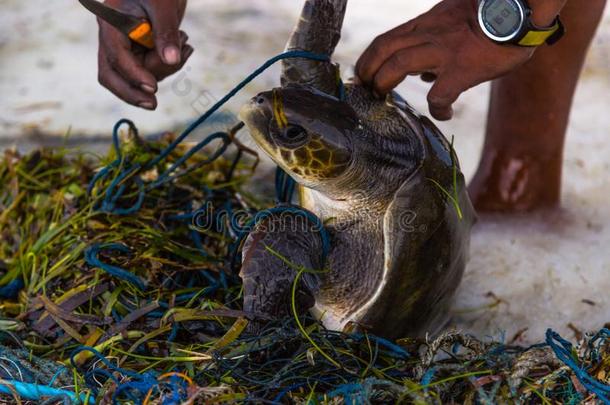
[[536, 36]]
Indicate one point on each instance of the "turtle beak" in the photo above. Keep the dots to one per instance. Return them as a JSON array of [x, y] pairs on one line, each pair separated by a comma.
[[257, 110], [257, 114]]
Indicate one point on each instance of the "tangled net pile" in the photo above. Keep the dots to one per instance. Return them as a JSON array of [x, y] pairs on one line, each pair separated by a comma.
[[113, 290]]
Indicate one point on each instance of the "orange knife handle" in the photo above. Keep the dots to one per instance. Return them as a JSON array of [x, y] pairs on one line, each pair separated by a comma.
[[143, 35]]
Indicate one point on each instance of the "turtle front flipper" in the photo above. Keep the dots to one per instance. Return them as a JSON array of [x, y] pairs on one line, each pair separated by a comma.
[[273, 254], [318, 31]]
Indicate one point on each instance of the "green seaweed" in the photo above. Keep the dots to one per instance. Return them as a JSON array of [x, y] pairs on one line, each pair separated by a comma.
[[184, 326]]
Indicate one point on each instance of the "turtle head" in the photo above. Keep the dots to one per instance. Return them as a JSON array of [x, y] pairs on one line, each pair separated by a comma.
[[306, 132]]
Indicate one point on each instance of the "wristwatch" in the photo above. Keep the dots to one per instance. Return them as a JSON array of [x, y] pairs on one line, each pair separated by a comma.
[[509, 22]]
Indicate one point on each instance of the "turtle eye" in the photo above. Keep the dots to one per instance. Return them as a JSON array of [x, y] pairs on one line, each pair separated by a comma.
[[293, 135]]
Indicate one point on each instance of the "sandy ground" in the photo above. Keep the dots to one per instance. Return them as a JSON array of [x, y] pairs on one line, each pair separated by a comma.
[[524, 273]]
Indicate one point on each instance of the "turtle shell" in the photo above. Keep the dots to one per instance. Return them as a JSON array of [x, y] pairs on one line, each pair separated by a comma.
[[425, 256], [394, 273]]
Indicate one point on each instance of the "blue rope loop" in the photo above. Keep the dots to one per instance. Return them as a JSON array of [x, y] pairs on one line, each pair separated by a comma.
[[12, 288], [115, 135], [231, 94], [111, 197], [564, 352], [92, 259], [109, 204], [127, 185], [165, 177], [285, 185], [174, 389]]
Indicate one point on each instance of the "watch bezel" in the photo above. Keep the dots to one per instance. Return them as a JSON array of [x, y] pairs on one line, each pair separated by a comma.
[[508, 38]]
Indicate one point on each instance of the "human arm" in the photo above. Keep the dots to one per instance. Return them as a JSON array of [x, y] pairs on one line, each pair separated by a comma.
[[445, 45]]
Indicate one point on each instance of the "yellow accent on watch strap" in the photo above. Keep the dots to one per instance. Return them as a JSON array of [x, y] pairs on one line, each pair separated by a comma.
[[538, 37]]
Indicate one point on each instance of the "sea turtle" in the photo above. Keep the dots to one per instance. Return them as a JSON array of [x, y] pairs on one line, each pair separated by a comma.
[[381, 177]]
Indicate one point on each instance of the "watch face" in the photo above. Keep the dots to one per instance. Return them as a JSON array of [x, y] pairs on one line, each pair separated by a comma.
[[501, 19]]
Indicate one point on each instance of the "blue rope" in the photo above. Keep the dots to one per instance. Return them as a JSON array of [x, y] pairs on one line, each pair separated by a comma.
[[99, 356], [111, 197], [36, 392], [91, 257], [100, 175], [109, 203], [174, 333], [115, 192], [596, 342], [394, 349], [427, 378], [164, 178], [60, 370], [115, 135], [231, 94], [11, 290], [353, 393], [284, 184], [563, 351], [141, 383]]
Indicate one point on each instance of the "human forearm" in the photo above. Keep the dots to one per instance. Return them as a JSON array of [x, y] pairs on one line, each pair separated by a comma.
[[445, 44]]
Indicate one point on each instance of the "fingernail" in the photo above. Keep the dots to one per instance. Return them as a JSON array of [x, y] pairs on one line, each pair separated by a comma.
[[171, 54], [148, 88], [147, 104]]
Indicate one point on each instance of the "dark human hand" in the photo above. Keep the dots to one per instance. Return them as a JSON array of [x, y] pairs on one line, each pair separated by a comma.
[[444, 45], [131, 71]]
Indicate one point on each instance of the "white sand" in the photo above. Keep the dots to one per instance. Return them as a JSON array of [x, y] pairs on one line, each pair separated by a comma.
[[538, 270]]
